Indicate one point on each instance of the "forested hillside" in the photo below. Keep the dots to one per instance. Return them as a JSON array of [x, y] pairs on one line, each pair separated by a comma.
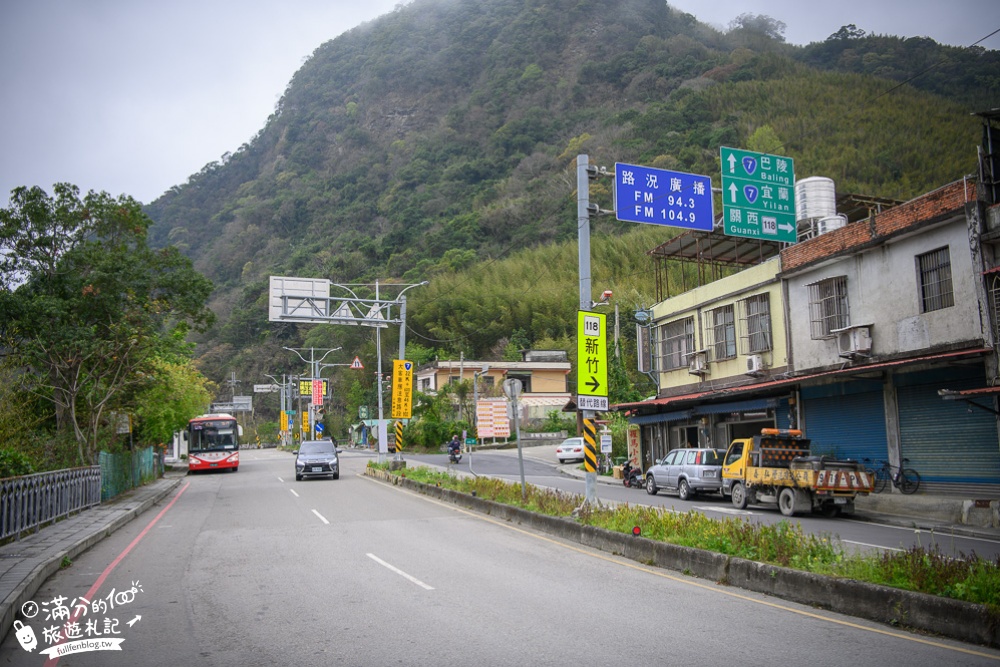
[[438, 143]]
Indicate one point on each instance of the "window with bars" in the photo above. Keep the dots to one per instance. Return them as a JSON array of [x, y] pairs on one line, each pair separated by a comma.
[[720, 332], [755, 324], [675, 342], [934, 272], [828, 307]]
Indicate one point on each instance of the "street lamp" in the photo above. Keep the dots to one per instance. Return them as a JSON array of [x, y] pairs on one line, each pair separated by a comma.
[[400, 299], [313, 372]]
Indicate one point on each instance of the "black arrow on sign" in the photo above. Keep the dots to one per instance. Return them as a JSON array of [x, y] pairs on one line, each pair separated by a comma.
[[593, 384]]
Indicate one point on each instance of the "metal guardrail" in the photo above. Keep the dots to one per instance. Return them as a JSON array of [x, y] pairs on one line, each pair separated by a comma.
[[31, 501]]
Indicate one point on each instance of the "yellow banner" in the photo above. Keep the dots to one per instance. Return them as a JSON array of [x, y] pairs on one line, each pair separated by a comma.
[[402, 389]]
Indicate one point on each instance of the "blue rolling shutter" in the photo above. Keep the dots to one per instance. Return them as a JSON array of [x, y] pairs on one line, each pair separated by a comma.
[[846, 420], [951, 444]]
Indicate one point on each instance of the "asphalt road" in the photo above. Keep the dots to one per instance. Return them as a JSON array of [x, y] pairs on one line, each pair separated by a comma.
[[254, 568], [542, 469]]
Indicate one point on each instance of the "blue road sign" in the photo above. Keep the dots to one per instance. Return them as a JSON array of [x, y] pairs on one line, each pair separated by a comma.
[[662, 197]]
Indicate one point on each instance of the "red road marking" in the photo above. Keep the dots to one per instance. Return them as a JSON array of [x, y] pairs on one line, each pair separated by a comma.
[[104, 575]]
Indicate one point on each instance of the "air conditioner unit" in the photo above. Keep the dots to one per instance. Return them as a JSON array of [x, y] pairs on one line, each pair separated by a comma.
[[854, 342], [698, 364], [755, 364]]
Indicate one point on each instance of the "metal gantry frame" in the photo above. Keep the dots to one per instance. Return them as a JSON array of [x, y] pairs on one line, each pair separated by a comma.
[[305, 303]]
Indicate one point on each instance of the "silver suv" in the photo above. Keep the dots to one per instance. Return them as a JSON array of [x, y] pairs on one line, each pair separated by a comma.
[[687, 471], [316, 458]]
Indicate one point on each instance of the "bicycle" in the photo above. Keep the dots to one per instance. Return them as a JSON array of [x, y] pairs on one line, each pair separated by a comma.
[[907, 480]]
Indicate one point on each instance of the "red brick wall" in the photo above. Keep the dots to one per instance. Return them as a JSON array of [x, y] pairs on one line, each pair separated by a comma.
[[944, 200]]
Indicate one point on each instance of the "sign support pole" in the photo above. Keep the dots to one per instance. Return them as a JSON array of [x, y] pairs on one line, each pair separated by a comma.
[[583, 253]]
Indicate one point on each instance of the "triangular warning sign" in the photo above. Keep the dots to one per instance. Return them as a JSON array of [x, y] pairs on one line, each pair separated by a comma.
[[344, 313], [376, 314], [356, 364]]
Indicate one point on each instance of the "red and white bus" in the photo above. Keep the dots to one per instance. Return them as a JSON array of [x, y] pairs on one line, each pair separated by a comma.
[[213, 443]]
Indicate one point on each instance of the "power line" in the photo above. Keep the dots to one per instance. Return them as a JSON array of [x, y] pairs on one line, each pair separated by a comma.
[[921, 73]]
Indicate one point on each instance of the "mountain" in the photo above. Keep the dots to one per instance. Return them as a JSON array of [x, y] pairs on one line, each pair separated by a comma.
[[438, 142]]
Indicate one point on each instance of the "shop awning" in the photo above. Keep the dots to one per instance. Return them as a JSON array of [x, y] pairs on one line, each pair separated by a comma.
[[706, 400], [736, 406], [642, 420]]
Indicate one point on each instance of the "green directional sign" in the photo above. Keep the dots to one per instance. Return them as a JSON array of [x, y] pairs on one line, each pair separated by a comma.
[[758, 195]]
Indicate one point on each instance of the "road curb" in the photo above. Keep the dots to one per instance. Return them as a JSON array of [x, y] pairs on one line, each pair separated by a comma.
[[32, 581], [955, 619]]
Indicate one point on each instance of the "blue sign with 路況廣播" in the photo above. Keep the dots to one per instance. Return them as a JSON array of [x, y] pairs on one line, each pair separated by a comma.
[[662, 197]]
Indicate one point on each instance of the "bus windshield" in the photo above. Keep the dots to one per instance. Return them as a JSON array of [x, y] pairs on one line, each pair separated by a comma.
[[215, 434]]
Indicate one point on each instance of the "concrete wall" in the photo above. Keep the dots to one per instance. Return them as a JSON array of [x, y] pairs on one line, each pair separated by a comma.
[[883, 290]]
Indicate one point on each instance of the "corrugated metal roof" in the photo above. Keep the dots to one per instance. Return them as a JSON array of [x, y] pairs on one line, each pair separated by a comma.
[[763, 387], [717, 248]]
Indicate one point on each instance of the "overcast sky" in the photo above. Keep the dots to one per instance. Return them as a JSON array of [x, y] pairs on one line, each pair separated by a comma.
[[134, 96]]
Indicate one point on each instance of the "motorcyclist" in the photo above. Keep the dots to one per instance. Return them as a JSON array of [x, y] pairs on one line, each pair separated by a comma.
[[454, 448]]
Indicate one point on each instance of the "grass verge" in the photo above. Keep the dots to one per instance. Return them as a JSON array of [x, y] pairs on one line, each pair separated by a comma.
[[964, 577]]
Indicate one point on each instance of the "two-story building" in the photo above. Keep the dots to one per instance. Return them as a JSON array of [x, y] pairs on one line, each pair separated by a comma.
[[876, 337], [544, 377]]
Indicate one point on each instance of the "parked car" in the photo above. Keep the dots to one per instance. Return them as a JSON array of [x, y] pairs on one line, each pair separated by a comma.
[[688, 472], [571, 449], [317, 458]]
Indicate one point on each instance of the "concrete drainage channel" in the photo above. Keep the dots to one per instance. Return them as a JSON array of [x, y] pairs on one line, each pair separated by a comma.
[[955, 619]]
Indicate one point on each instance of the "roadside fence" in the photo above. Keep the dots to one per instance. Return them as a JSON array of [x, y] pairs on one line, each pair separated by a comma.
[[31, 501]]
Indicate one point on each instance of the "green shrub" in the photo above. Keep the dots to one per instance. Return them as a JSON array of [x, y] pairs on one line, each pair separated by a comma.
[[14, 464]]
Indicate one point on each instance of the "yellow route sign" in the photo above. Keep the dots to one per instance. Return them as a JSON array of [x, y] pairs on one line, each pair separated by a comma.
[[592, 361]]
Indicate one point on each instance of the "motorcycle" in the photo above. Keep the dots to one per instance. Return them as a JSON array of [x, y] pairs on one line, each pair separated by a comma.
[[632, 476], [454, 455]]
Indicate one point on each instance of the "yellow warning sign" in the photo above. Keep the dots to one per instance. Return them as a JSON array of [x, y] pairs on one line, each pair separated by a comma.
[[402, 389]]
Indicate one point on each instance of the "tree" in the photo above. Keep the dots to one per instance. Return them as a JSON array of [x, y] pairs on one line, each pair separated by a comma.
[[177, 392], [93, 304], [761, 24], [765, 140], [757, 31], [849, 31]]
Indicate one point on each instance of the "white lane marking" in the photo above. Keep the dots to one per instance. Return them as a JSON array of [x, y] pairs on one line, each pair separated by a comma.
[[936, 533], [724, 510], [293, 493], [280, 479], [321, 517], [399, 572], [873, 546]]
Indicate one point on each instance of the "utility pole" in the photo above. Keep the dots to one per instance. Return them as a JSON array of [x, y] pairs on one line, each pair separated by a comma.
[[583, 253], [232, 382]]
